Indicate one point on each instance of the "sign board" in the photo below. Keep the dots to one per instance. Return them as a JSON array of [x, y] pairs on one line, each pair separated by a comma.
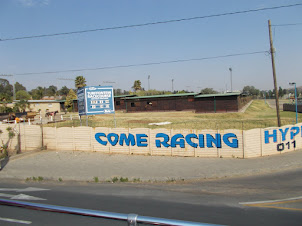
[[94, 100]]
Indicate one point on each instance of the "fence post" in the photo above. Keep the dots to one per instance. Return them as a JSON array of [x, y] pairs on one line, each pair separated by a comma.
[[217, 130], [261, 154], [242, 131]]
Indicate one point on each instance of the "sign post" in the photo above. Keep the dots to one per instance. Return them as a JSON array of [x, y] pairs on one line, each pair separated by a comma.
[[94, 100]]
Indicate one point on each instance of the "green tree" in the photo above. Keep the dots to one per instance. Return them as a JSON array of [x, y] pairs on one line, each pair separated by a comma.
[[137, 85], [22, 95], [80, 82], [64, 91], [69, 100], [19, 86], [6, 89], [21, 106], [38, 93], [51, 91], [251, 91], [208, 91]]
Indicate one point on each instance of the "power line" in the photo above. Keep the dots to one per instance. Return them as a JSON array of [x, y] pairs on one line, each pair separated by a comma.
[[143, 64], [153, 23], [285, 25]]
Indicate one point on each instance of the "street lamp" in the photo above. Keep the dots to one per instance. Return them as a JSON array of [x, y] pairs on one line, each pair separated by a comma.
[[172, 85], [293, 83], [148, 82], [231, 79]]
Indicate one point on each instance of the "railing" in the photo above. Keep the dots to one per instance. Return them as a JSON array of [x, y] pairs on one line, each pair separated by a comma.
[[132, 219]]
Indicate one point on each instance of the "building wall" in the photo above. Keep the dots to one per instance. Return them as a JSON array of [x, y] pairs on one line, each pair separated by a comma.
[[160, 104], [183, 103], [119, 104], [55, 106], [292, 107], [216, 104]]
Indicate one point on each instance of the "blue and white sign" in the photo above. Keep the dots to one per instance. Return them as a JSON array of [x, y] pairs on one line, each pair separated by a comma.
[[93, 100]]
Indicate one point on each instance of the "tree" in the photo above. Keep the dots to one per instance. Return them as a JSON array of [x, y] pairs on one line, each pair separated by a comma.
[[64, 91], [19, 86], [80, 82], [251, 90], [51, 91], [208, 91], [137, 85], [21, 106], [38, 93], [22, 95], [69, 100], [6, 89]]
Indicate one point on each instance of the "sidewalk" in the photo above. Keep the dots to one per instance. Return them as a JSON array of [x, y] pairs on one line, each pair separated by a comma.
[[84, 166]]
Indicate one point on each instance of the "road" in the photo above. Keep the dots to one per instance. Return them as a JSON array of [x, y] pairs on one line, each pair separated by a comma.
[[221, 201]]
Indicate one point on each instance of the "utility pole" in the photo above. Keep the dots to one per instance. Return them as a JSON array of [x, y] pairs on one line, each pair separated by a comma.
[[148, 82], [231, 79], [272, 52], [172, 85]]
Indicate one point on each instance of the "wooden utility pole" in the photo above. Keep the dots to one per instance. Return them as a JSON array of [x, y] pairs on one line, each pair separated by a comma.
[[272, 52]]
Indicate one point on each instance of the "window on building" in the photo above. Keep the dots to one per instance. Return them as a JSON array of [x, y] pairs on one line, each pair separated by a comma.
[[118, 102], [132, 105]]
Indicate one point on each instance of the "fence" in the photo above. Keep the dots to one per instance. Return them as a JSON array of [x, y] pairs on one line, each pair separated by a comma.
[[166, 142]]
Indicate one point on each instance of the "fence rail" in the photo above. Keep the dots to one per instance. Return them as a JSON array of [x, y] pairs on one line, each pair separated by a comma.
[[131, 219]]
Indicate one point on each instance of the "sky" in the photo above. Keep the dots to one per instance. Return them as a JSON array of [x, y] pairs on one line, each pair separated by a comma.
[[166, 42]]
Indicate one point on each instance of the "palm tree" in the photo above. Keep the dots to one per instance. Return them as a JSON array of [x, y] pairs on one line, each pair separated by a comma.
[[137, 85], [80, 82]]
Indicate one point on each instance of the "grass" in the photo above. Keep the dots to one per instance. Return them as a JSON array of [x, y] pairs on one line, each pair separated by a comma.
[[96, 179], [258, 115]]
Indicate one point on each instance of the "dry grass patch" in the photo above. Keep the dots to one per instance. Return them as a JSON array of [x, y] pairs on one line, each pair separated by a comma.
[[258, 115]]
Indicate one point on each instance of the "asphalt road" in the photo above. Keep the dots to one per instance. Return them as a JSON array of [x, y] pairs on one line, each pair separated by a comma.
[[222, 201]]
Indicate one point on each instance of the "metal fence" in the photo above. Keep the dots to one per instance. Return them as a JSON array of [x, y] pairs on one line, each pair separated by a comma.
[[131, 219]]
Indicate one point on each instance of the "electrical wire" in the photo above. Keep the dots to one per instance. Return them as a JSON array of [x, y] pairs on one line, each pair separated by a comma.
[[285, 25], [152, 23], [143, 64]]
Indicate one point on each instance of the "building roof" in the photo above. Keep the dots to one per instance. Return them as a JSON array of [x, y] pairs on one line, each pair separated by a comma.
[[218, 95], [123, 96], [159, 96]]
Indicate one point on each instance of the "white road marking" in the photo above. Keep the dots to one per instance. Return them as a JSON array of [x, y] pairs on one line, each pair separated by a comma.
[[15, 221], [29, 189], [269, 201], [20, 197]]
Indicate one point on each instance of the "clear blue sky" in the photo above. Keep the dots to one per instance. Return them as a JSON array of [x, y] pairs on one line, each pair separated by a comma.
[[165, 42]]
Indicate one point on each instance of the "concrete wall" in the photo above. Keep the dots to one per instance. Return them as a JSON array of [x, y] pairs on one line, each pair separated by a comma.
[[186, 142], [26, 137]]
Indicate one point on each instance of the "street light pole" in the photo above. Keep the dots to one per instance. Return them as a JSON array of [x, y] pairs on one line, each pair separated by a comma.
[[172, 85], [148, 82], [293, 83], [231, 79]]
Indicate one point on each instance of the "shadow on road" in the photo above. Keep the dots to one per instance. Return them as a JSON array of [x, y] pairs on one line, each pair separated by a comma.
[[3, 162]]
